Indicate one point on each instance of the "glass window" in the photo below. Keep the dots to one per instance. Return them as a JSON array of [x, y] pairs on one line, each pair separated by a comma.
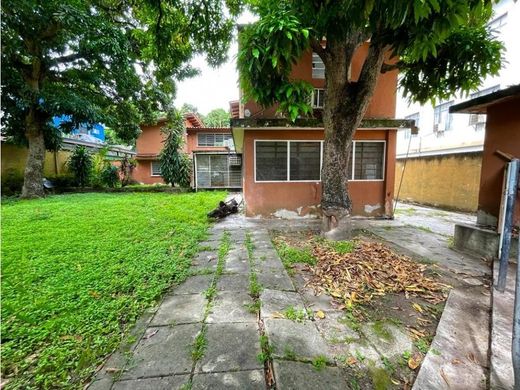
[[210, 139], [408, 132], [305, 160], [156, 168], [318, 67], [318, 97], [369, 160], [442, 117], [271, 160]]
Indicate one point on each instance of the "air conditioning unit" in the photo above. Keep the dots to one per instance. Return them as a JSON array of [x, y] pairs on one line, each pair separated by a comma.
[[234, 161]]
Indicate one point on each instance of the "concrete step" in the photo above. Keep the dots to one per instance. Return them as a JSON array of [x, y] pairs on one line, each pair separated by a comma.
[[501, 363]]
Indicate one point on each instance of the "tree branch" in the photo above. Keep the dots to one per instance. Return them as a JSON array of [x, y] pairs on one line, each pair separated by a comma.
[[390, 67], [318, 49]]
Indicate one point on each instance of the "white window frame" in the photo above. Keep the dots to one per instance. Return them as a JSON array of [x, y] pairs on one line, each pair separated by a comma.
[[316, 59], [214, 134], [317, 91], [288, 163], [354, 159], [353, 151], [151, 168], [441, 108]]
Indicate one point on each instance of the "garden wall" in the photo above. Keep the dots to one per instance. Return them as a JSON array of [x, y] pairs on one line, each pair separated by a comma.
[[447, 181]]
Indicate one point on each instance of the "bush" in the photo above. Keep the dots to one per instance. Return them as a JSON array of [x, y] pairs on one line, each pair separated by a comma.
[[62, 181], [81, 164], [109, 176], [12, 183]]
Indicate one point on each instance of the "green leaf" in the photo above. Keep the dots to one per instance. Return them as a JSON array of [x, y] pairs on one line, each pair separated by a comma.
[[256, 53]]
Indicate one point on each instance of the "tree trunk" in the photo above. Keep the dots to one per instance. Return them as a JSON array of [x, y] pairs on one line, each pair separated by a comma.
[[33, 176], [345, 105]]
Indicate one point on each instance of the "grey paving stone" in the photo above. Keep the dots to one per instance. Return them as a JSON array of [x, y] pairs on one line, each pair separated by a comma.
[[231, 307], [364, 353], [101, 384], [166, 351], [194, 285], [231, 347], [390, 341], [163, 383], [205, 258], [275, 278], [321, 302], [237, 261], [300, 339], [209, 245], [234, 282], [180, 309], [239, 380], [267, 258], [274, 301], [334, 330], [301, 376]]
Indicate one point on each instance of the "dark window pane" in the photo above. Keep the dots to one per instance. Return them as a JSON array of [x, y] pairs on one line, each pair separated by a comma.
[[305, 161], [271, 161], [349, 167], [369, 160]]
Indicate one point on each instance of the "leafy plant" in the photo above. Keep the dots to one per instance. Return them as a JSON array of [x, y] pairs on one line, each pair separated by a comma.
[[291, 255], [126, 168], [297, 315], [80, 164], [267, 350], [175, 164], [319, 362], [110, 176]]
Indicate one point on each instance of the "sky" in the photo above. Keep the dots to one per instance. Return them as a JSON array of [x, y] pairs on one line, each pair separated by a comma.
[[212, 88]]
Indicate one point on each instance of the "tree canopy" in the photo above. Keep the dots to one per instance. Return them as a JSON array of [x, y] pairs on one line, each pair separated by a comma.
[[108, 61], [217, 118]]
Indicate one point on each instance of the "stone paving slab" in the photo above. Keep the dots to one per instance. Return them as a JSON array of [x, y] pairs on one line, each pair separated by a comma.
[[233, 283], [239, 380], [210, 245], [321, 302], [274, 301], [267, 259], [334, 329], [300, 339], [180, 309], [237, 261], [231, 307], [231, 347], [194, 285], [166, 351], [162, 383], [392, 343], [302, 376], [275, 278], [205, 257]]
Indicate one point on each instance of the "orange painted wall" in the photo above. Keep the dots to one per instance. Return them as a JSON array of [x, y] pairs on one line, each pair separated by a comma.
[[303, 198], [502, 133], [382, 104]]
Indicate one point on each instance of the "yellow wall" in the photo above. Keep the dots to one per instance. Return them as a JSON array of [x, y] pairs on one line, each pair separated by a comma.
[[14, 158], [450, 181]]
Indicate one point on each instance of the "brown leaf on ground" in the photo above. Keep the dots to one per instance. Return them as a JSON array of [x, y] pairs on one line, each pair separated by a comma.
[[151, 334], [371, 269], [415, 361], [112, 370], [443, 374]]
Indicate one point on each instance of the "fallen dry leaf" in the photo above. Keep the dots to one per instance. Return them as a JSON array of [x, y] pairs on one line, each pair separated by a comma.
[[149, 335], [320, 314], [471, 357], [456, 361], [395, 382], [112, 370], [414, 361], [417, 307], [351, 361], [277, 314]]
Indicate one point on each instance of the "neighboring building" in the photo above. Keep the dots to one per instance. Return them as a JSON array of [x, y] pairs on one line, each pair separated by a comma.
[[93, 134], [282, 160], [444, 159], [501, 143], [215, 163]]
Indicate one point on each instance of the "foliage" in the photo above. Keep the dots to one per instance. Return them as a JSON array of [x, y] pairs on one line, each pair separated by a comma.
[[62, 181], [189, 108], [175, 164], [110, 176], [217, 118], [111, 62], [99, 164], [125, 170], [443, 46], [78, 270], [81, 164], [291, 255], [12, 183]]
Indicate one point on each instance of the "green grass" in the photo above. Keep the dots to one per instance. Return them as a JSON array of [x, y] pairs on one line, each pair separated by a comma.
[[296, 315], [319, 363], [291, 255], [78, 270]]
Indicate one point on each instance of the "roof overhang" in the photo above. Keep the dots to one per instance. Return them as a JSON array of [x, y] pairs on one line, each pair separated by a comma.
[[480, 104], [240, 126]]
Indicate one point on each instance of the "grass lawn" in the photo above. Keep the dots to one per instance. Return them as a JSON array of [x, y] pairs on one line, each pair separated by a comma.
[[78, 270]]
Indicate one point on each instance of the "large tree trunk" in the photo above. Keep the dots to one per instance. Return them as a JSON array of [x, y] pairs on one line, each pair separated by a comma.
[[33, 176], [345, 105]]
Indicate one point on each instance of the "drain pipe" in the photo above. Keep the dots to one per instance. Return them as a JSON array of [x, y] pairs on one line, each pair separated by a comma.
[[516, 327]]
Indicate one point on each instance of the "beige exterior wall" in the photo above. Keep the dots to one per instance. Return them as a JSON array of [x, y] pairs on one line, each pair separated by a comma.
[[449, 181], [14, 159]]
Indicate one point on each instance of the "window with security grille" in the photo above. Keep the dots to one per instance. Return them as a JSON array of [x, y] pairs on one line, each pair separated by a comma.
[[318, 67], [369, 160], [318, 98], [305, 160], [271, 160], [213, 139], [156, 168]]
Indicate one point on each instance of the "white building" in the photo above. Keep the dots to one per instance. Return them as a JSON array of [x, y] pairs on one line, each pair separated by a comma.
[[441, 133]]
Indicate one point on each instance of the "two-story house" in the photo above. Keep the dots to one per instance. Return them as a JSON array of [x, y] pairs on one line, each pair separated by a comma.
[[282, 160], [215, 163]]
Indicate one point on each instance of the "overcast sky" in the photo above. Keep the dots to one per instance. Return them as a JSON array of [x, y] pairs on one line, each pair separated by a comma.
[[213, 88]]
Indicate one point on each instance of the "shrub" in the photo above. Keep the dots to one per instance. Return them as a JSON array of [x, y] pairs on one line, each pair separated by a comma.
[[109, 176], [175, 164], [126, 168], [62, 181], [12, 183], [81, 164]]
